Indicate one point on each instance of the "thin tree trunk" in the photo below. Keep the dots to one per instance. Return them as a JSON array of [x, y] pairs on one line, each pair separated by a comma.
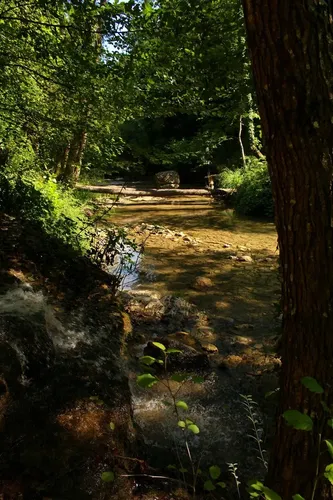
[[291, 44], [240, 140], [254, 142]]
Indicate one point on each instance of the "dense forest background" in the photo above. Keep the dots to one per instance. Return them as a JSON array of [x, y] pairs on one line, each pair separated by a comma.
[[125, 89]]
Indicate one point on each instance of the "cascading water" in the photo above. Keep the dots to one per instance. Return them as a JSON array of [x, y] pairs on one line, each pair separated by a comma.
[[65, 381]]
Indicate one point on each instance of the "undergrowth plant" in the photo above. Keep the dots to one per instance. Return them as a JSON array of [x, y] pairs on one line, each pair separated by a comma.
[[251, 412], [305, 423], [210, 480], [180, 408], [190, 473], [44, 203], [253, 188]]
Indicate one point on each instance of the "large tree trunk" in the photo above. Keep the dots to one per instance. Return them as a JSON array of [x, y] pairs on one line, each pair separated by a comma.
[[291, 44]]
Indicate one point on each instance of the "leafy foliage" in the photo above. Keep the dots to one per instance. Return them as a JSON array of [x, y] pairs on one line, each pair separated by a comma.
[[253, 186], [312, 384], [43, 202], [298, 420]]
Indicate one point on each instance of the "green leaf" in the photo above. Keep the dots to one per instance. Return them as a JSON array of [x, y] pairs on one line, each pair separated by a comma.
[[194, 428], [181, 424], [329, 444], [146, 380], [329, 473], [182, 470], [298, 497], [147, 360], [221, 484], [209, 486], [172, 467], [330, 422], [173, 351], [159, 345], [188, 421], [270, 494], [312, 384], [179, 377], [112, 426], [182, 405], [298, 420], [107, 477], [198, 380], [256, 485], [214, 471]]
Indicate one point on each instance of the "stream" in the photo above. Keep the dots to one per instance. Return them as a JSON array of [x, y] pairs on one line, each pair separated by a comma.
[[206, 285]]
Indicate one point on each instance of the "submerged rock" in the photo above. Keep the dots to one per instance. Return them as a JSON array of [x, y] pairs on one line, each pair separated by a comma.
[[210, 348], [202, 283]]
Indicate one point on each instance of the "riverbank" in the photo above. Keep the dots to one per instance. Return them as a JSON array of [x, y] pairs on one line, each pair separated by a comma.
[[62, 335]]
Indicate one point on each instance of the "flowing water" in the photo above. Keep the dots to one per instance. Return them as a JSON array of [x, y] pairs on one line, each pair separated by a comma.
[[65, 382], [235, 312]]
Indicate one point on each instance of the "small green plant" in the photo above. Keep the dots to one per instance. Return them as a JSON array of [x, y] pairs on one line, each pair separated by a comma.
[[180, 407], [233, 472], [305, 423], [147, 379], [251, 411]]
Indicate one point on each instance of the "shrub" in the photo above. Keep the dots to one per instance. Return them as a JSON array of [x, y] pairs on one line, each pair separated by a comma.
[[231, 179], [42, 202], [253, 185]]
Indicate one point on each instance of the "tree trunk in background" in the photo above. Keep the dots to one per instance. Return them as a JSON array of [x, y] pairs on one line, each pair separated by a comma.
[[61, 161], [71, 161], [291, 47]]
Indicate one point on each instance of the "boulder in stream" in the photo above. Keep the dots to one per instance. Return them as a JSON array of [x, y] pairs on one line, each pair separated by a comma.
[[167, 180]]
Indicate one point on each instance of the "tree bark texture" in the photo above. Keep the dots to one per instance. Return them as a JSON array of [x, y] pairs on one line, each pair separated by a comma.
[[291, 48], [71, 161]]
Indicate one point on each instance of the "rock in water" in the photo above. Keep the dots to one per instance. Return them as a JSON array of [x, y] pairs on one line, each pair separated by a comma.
[[201, 283], [167, 180], [211, 348]]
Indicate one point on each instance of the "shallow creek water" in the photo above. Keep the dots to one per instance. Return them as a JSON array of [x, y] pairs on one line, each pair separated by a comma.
[[236, 312]]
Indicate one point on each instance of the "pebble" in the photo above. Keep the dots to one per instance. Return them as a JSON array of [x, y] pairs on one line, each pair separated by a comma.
[[166, 232], [245, 258], [244, 326]]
